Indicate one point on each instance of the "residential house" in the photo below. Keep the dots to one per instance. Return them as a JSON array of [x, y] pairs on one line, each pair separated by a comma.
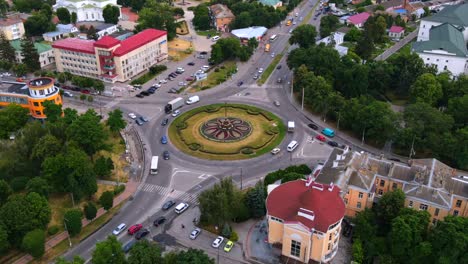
[[221, 17], [62, 31], [244, 34], [12, 26], [335, 39], [455, 15], [396, 32], [273, 3], [358, 20], [307, 224], [110, 59], [86, 10], [45, 51], [106, 29]]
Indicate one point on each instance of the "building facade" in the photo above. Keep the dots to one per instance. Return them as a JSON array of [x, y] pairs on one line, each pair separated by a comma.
[[12, 26], [63, 31], [221, 17], [110, 59], [308, 223], [86, 10], [45, 51], [396, 32], [31, 95]]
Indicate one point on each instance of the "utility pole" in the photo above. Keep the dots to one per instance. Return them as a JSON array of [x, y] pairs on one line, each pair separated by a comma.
[[66, 229], [241, 178], [225, 109], [363, 133], [73, 199], [412, 148], [338, 123], [302, 98], [292, 85]]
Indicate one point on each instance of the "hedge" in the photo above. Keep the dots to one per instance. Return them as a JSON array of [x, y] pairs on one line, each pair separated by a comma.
[[287, 174]]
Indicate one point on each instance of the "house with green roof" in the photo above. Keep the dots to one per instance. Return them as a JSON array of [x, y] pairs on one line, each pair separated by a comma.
[[445, 49], [456, 15], [46, 53], [273, 3]]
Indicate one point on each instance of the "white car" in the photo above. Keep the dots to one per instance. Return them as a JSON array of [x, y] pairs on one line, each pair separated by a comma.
[[217, 242], [163, 81], [176, 113], [67, 94], [119, 229], [205, 67], [275, 151], [182, 83], [273, 54], [260, 70], [195, 233], [290, 31], [132, 116], [157, 85]]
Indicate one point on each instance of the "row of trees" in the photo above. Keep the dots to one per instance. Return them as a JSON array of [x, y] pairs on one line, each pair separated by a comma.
[[159, 15], [29, 53], [391, 233], [143, 252], [201, 19], [354, 94], [231, 48]]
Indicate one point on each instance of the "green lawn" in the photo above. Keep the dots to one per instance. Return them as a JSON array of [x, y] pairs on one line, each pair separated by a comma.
[[217, 76], [205, 33], [269, 69]]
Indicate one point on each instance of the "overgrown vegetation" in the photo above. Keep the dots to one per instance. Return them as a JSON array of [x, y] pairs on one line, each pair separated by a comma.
[[153, 72]]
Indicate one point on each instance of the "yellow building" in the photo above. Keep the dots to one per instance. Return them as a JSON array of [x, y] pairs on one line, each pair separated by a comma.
[[305, 218], [31, 95], [12, 26], [221, 17], [110, 59], [428, 184]]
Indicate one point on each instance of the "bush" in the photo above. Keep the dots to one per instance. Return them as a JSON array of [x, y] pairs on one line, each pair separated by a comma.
[[181, 125], [247, 151], [291, 176], [72, 219], [119, 189], [107, 200], [34, 243], [194, 146], [19, 183], [227, 230], [216, 70], [252, 111], [223, 67], [52, 230], [242, 214], [90, 211], [234, 237]]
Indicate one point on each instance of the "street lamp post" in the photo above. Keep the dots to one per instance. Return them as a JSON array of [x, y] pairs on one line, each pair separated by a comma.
[[241, 178], [66, 229]]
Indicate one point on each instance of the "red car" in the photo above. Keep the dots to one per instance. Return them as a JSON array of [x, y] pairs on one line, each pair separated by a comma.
[[134, 228], [321, 138], [189, 79], [85, 92]]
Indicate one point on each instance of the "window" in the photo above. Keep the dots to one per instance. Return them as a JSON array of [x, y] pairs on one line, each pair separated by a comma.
[[360, 195], [382, 183], [358, 205], [455, 213], [330, 237], [38, 112], [329, 246], [410, 204], [380, 191], [347, 192], [436, 212], [369, 195], [346, 200], [295, 248], [458, 204], [423, 207], [394, 186], [36, 104]]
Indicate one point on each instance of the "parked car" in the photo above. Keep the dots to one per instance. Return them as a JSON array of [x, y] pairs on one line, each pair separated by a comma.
[[144, 119], [228, 246], [313, 126], [189, 79], [139, 95], [151, 90], [332, 143], [119, 229], [67, 94], [279, 67], [159, 221], [156, 85], [163, 81], [176, 113], [139, 122], [191, 63], [203, 53], [275, 151], [172, 90], [260, 70], [141, 234], [132, 115], [164, 122], [273, 54], [134, 228], [163, 140], [321, 138], [240, 83], [167, 205], [276, 103], [217, 242], [166, 155], [195, 233], [145, 93], [255, 77]]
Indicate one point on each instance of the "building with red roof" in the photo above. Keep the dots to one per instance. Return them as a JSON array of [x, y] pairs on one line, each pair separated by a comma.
[[308, 222], [396, 32], [359, 19], [110, 59]]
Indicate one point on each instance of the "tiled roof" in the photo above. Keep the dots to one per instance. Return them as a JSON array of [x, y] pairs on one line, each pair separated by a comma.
[[75, 44], [396, 29], [359, 18], [455, 15], [106, 42], [40, 47], [10, 21], [221, 11], [443, 37], [138, 40], [322, 202]]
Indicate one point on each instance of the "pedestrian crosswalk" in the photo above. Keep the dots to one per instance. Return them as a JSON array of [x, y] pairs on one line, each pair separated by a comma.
[[191, 198]]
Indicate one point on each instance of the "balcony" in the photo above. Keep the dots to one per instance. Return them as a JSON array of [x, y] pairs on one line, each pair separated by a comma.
[[109, 67]]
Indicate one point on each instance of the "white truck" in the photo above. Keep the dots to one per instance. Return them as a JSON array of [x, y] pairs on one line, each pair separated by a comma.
[[291, 126], [193, 99], [174, 104]]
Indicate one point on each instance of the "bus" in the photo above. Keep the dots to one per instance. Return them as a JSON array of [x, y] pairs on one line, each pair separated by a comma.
[[267, 47], [273, 38], [154, 165]]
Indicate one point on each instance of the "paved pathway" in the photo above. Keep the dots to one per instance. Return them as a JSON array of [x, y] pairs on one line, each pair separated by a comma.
[[387, 53]]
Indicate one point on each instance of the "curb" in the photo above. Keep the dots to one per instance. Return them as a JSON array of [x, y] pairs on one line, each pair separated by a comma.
[[247, 240]]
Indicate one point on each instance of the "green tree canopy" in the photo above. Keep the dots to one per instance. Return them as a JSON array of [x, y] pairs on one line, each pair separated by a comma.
[[448, 240], [304, 36], [34, 243], [255, 200], [157, 15], [111, 14], [76, 260], [88, 132], [12, 118], [116, 121], [72, 221], [30, 54], [426, 89], [108, 251], [328, 24], [4, 243], [52, 111], [389, 206], [38, 185], [107, 200], [5, 191], [144, 252], [189, 256], [90, 211], [63, 15], [6, 50]]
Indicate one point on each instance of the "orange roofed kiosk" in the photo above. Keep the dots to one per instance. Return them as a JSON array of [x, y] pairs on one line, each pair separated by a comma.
[[30, 95], [305, 218]]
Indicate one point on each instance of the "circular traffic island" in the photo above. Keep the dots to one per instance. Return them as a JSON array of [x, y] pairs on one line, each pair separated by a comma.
[[226, 132]]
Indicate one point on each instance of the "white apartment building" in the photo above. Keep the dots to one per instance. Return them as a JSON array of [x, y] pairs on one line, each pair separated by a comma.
[[12, 26]]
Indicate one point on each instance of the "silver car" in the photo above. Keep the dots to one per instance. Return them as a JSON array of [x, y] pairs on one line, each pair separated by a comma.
[[195, 233]]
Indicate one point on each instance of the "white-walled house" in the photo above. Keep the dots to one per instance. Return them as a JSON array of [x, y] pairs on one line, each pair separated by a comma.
[[456, 15], [86, 10], [336, 38], [445, 49]]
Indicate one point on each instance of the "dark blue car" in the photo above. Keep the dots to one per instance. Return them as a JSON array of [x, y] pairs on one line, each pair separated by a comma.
[[164, 140]]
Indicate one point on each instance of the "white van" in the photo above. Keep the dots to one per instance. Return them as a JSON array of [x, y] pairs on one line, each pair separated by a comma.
[[193, 99], [292, 146], [215, 38], [180, 208]]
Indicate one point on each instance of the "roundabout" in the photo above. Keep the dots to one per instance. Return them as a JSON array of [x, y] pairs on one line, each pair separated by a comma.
[[226, 132]]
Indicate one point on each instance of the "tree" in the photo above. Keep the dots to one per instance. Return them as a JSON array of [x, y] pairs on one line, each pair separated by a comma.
[[226, 49], [38, 24], [98, 85], [255, 200], [178, 12], [72, 221], [90, 211], [189, 256], [88, 132], [30, 54], [76, 260], [107, 200], [34, 243], [144, 252], [304, 36], [90, 99], [448, 240], [111, 14], [4, 243], [458, 107], [73, 18], [353, 35], [52, 110], [389, 206], [328, 24], [358, 254], [426, 89], [63, 15], [102, 168], [7, 52], [108, 251], [12, 118], [47, 146], [157, 15], [5, 191], [46, 10], [39, 186], [406, 69], [365, 47], [116, 121], [201, 19], [91, 33], [243, 20], [20, 69]]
